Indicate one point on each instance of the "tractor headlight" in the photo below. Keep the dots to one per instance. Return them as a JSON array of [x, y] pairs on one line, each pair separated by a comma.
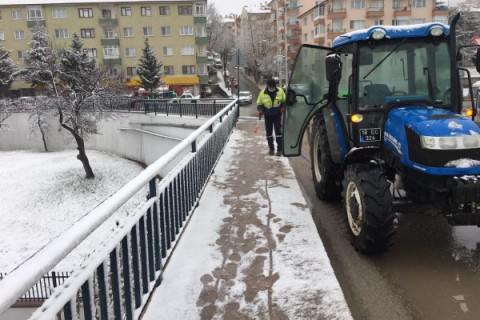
[[436, 31], [450, 143]]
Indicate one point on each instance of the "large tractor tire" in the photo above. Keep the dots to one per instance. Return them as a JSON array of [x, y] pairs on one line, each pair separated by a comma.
[[324, 171], [368, 206]]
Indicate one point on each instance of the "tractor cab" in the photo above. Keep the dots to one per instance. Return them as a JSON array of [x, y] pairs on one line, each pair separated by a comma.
[[365, 75]]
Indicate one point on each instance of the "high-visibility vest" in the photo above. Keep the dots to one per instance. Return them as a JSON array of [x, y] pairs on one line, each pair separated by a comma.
[[265, 100]]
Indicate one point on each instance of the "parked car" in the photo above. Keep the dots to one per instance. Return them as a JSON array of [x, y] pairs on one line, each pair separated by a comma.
[[186, 97], [245, 97]]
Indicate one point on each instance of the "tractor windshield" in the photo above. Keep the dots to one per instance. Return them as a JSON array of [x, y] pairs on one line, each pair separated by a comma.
[[404, 71]]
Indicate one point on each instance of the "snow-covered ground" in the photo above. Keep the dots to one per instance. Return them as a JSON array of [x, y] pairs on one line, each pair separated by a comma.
[[42, 194]]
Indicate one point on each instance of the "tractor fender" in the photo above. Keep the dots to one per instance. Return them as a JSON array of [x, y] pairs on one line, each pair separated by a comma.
[[361, 155]]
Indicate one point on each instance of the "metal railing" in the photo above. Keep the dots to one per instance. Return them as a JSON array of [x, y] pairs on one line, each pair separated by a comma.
[[116, 280], [44, 287], [201, 107]]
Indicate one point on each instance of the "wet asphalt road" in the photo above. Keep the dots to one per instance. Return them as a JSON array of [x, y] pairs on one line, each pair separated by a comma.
[[431, 272]]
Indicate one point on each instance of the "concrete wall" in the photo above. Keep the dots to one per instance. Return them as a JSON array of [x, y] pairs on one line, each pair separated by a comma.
[[140, 137]]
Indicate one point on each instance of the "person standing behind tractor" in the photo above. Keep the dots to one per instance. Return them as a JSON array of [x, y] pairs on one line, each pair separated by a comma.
[[271, 104]]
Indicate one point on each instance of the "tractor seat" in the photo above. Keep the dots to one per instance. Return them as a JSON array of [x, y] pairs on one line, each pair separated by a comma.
[[375, 95]]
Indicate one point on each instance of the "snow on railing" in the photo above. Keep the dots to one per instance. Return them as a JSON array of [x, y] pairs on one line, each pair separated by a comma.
[[116, 280]]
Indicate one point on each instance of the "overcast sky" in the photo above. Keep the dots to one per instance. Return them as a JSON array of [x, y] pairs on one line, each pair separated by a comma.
[[227, 6]]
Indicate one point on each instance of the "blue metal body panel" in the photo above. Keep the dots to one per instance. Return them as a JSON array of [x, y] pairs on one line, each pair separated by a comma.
[[426, 121], [340, 133], [391, 32]]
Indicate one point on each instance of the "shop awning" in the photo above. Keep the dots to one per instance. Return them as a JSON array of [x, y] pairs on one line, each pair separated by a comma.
[[133, 82], [181, 80]]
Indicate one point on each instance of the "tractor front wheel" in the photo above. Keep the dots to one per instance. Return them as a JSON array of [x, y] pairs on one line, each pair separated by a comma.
[[324, 171], [368, 207]]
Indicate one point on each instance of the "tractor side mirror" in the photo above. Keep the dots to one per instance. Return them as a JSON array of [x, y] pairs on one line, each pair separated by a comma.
[[477, 60], [291, 97], [333, 68]]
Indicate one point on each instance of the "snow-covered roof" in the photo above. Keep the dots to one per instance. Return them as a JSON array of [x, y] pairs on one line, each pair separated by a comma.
[[46, 2], [256, 9]]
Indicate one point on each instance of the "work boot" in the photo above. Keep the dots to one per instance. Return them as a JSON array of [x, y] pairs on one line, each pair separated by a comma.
[[271, 152], [279, 153]]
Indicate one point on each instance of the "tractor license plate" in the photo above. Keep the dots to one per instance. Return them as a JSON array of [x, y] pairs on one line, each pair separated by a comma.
[[370, 135]]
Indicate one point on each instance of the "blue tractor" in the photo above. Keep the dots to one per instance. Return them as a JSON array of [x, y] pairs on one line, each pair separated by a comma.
[[387, 129]]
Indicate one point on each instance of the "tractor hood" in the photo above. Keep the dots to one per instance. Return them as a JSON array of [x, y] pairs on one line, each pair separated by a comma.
[[432, 122], [433, 140]]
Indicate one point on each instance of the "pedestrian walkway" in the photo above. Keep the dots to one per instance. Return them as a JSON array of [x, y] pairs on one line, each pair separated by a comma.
[[251, 249]]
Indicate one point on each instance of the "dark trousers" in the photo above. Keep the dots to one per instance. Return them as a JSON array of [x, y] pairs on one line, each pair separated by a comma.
[[274, 122]]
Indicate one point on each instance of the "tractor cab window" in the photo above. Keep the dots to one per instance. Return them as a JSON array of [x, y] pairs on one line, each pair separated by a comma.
[[403, 72]]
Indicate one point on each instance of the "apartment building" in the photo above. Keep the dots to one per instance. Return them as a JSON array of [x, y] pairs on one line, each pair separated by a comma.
[[319, 22], [113, 32]]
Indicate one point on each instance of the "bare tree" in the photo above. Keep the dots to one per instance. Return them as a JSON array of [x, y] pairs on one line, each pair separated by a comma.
[[256, 44], [82, 94], [4, 113]]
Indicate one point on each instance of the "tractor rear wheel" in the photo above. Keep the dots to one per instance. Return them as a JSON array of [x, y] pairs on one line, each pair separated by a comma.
[[324, 171], [368, 207]]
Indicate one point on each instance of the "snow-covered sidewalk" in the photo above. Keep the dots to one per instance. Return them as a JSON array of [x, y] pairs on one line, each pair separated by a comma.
[[251, 249]]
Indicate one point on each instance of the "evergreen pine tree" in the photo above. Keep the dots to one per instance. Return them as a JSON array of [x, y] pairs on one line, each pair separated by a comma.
[[149, 69], [7, 71]]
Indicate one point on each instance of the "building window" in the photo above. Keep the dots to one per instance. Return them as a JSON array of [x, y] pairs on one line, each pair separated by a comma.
[[21, 54], [200, 9], [305, 37], [358, 4], [1, 15], [184, 10], [59, 13], [168, 70], [34, 13], [396, 4], [357, 24], [91, 52], [147, 31], [378, 22], [2, 36], [305, 22], [16, 14], [126, 11], [167, 51], [128, 32], [87, 33], [19, 34], [187, 51], [378, 4], [201, 31], [166, 31], [109, 33], [113, 72], [146, 11], [441, 19], [418, 21], [85, 13], [106, 14], [186, 31], [110, 51], [164, 10], [61, 33], [131, 71], [319, 30], [418, 3], [130, 52], [401, 21], [188, 69]]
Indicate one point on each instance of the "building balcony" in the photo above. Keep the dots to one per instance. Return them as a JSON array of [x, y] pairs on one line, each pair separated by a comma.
[[202, 59], [338, 13], [112, 61], [35, 23], [333, 33], [404, 11], [439, 12], [201, 40], [199, 19], [108, 22], [318, 21], [110, 42], [375, 12], [320, 39]]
